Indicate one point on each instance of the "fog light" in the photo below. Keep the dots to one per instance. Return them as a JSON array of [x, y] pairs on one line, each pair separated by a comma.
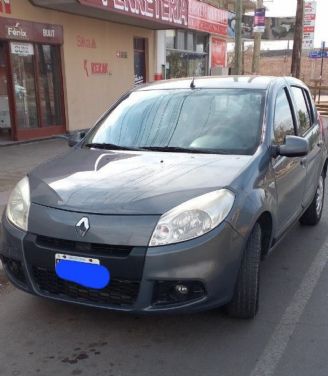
[[182, 289]]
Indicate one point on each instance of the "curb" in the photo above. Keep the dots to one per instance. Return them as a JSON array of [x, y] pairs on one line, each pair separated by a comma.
[[15, 143]]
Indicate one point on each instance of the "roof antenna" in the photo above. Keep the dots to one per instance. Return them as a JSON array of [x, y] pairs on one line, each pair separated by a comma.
[[192, 84]]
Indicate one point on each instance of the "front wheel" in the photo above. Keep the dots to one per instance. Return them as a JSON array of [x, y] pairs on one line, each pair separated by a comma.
[[313, 213], [245, 301]]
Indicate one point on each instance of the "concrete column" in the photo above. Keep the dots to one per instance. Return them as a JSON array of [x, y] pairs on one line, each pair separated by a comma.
[[160, 54]]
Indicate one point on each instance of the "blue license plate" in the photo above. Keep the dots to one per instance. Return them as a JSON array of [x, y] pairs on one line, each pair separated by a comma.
[[86, 272]]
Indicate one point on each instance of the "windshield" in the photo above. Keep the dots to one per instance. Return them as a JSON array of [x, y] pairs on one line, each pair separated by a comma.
[[226, 121]]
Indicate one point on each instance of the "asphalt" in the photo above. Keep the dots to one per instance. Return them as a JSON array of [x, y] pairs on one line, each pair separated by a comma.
[[288, 337]]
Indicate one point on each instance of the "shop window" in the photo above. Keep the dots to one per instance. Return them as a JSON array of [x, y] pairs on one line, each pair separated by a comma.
[[22, 57], [49, 85], [201, 42], [189, 57], [37, 85], [170, 39], [190, 41], [180, 40]]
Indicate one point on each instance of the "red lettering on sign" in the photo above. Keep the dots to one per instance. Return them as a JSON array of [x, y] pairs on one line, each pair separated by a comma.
[[99, 68]]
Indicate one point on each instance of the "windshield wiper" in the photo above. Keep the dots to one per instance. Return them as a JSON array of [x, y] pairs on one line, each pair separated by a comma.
[[178, 149], [108, 146]]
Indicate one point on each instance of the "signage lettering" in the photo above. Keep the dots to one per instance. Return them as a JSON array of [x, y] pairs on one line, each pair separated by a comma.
[[11, 28], [95, 68], [205, 17], [166, 11], [48, 33], [15, 32], [83, 42], [22, 49], [99, 68]]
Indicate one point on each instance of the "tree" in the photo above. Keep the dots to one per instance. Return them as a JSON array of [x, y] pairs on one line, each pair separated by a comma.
[[298, 40]]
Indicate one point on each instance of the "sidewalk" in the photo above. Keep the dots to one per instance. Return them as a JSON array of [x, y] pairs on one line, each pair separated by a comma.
[[17, 160]]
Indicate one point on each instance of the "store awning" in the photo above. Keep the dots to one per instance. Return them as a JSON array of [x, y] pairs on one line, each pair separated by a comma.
[[151, 14]]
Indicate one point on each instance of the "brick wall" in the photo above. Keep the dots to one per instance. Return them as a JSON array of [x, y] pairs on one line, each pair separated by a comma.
[[280, 66]]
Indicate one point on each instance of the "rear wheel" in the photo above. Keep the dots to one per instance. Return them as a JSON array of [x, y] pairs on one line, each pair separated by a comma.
[[245, 301], [313, 213]]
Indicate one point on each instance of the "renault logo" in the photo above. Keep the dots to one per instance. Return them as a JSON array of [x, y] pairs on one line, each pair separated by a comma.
[[82, 226]]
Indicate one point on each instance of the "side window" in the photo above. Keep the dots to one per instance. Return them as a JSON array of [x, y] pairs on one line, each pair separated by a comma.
[[283, 119], [310, 105], [302, 110]]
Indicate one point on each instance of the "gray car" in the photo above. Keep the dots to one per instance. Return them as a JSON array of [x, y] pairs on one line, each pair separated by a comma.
[[171, 201]]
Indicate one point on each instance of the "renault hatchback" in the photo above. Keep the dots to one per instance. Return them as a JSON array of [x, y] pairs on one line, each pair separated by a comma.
[[172, 199]]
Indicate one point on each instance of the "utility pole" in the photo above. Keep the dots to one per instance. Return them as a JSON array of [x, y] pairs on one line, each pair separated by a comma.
[[238, 44], [323, 49], [298, 40], [257, 45]]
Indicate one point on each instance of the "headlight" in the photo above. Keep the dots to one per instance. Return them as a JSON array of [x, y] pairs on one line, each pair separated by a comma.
[[19, 204], [193, 218]]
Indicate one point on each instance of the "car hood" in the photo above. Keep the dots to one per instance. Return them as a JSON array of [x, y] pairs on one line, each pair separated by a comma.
[[128, 182]]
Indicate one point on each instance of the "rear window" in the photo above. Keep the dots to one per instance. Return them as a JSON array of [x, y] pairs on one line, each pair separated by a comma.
[[303, 113], [217, 120]]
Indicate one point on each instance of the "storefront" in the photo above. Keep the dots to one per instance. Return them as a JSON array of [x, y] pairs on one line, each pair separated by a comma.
[[31, 86], [62, 64], [213, 21], [186, 53], [199, 50]]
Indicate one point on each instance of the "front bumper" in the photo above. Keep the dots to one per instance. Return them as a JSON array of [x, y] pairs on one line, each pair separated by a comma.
[[143, 279]]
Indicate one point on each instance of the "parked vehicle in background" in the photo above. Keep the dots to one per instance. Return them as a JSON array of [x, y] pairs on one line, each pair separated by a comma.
[[171, 201]]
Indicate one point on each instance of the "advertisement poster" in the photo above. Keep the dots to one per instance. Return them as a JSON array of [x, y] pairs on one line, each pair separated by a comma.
[[309, 24], [219, 52], [259, 20]]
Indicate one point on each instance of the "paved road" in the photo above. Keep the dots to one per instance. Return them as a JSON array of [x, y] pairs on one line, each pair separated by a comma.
[[288, 337]]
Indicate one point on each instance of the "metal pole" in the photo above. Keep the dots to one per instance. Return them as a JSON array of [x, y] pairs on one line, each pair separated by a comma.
[[323, 46], [257, 45], [238, 47]]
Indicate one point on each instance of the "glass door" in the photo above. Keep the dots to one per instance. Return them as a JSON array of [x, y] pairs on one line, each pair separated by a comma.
[[22, 56], [139, 60], [5, 121]]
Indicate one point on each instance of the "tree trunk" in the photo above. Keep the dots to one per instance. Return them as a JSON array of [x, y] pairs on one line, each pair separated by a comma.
[[257, 45], [298, 40], [238, 47]]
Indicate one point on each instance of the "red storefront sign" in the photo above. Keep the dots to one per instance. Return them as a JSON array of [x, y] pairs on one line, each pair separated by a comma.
[[218, 53], [170, 12], [204, 17], [14, 29]]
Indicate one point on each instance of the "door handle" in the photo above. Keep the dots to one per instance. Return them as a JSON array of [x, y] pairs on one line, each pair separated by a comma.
[[303, 162]]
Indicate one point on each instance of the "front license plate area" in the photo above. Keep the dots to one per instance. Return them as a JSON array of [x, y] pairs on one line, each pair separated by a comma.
[[84, 271]]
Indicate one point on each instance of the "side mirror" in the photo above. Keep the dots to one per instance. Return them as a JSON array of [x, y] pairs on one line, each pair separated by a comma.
[[294, 146], [75, 137]]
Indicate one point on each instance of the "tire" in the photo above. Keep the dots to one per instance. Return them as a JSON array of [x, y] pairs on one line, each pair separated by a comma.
[[313, 213], [245, 301]]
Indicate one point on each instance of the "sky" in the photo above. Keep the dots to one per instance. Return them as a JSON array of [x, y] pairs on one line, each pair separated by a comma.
[[286, 8]]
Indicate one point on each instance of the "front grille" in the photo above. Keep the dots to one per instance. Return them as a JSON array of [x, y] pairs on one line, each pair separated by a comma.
[[118, 292], [82, 247], [15, 269]]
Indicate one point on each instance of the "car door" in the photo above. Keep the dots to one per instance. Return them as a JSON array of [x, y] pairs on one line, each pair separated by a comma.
[[290, 173], [309, 128]]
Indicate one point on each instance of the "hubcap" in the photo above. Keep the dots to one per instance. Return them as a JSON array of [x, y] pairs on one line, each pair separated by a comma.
[[319, 200]]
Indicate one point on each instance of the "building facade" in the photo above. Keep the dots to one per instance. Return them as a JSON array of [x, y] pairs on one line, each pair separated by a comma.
[[63, 63]]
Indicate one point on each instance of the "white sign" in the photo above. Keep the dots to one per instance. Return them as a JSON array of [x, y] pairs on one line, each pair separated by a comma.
[[22, 49], [309, 24]]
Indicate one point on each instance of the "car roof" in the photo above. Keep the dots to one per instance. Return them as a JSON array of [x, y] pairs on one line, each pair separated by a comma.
[[218, 82]]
